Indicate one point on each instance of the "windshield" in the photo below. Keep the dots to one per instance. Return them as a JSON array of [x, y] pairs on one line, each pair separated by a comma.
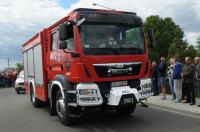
[[111, 39]]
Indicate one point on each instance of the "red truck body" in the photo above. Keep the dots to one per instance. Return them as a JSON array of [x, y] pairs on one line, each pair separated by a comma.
[[45, 62]]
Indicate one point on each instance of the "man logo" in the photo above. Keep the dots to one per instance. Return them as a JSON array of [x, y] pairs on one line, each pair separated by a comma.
[[119, 65]]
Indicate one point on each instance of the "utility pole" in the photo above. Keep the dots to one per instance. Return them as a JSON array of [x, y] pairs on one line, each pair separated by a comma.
[[8, 63]]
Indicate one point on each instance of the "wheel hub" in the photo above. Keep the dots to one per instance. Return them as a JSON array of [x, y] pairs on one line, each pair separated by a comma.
[[33, 97], [60, 107]]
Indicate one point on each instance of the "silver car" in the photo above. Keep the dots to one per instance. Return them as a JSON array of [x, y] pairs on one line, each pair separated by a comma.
[[19, 83]]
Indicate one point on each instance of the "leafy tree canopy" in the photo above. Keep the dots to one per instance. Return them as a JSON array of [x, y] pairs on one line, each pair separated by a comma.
[[169, 40]]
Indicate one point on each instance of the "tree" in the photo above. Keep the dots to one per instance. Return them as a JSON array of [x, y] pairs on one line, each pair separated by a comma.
[[19, 67], [189, 51], [198, 43], [168, 37], [177, 47]]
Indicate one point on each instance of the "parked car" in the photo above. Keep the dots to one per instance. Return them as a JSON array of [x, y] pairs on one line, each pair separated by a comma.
[[19, 83]]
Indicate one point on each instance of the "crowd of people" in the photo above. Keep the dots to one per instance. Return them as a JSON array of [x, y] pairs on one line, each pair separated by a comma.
[[7, 79], [183, 79]]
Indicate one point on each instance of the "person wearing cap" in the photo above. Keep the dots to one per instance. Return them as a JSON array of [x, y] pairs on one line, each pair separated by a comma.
[[161, 76]]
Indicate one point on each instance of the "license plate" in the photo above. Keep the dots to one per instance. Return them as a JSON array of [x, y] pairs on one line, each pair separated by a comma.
[[128, 100], [119, 83]]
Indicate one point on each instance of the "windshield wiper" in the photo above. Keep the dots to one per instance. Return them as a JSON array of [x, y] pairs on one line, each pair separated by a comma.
[[103, 50], [113, 50], [132, 49]]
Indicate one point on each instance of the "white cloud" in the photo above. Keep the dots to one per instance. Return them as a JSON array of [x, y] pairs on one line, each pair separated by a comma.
[[29, 12], [26, 16], [20, 20], [193, 36], [184, 12]]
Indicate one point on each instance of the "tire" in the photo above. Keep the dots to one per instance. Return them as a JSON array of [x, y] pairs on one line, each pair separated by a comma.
[[36, 102], [18, 92], [63, 111], [126, 110]]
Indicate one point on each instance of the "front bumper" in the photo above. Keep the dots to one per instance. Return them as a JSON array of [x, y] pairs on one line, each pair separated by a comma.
[[114, 98], [123, 94], [20, 88], [88, 94]]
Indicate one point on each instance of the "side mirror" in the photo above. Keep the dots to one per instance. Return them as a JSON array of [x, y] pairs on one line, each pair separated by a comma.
[[151, 37], [63, 32], [63, 45]]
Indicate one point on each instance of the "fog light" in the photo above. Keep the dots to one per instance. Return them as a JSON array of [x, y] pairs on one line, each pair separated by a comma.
[[88, 99], [87, 91]]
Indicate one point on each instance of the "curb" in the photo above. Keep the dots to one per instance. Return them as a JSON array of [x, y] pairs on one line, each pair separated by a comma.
[[176, 110]]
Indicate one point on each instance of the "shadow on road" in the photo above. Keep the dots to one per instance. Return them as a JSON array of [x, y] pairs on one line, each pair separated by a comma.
[[95, 119]]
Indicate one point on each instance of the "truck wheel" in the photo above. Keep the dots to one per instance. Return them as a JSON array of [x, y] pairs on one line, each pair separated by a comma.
[[126, 110], [18, 92], [36, 102], [63, 110]]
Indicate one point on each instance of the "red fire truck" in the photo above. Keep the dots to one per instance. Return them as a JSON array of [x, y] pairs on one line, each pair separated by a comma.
[[90, 58]]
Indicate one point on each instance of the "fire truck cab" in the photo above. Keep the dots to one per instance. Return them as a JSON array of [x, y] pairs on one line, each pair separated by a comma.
[[90, 58]]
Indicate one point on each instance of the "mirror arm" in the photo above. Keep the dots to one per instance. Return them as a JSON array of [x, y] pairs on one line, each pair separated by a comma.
[[64, 50], [73, 54]]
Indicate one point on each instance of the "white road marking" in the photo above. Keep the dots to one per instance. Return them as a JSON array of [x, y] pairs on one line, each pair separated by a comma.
[[180, 113], [93, 129], [98, 127]]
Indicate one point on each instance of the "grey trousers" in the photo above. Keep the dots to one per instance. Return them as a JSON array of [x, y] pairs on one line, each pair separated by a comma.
[[178, 89], [198, 88]]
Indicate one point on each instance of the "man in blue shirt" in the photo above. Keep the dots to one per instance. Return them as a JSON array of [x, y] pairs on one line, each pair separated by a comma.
[[177, 80]]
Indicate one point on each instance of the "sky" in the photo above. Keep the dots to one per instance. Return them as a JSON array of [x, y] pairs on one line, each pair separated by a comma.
[[21, 19]]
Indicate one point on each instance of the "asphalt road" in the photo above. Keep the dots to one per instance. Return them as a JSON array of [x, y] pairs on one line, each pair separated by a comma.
[[18, 115]]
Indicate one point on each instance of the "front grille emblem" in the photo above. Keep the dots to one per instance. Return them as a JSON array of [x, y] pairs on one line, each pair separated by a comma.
[[117, 69], [120, 71], [118, 65]]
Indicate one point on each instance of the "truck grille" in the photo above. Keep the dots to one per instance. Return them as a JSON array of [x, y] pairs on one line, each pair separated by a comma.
[[117, 69]]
